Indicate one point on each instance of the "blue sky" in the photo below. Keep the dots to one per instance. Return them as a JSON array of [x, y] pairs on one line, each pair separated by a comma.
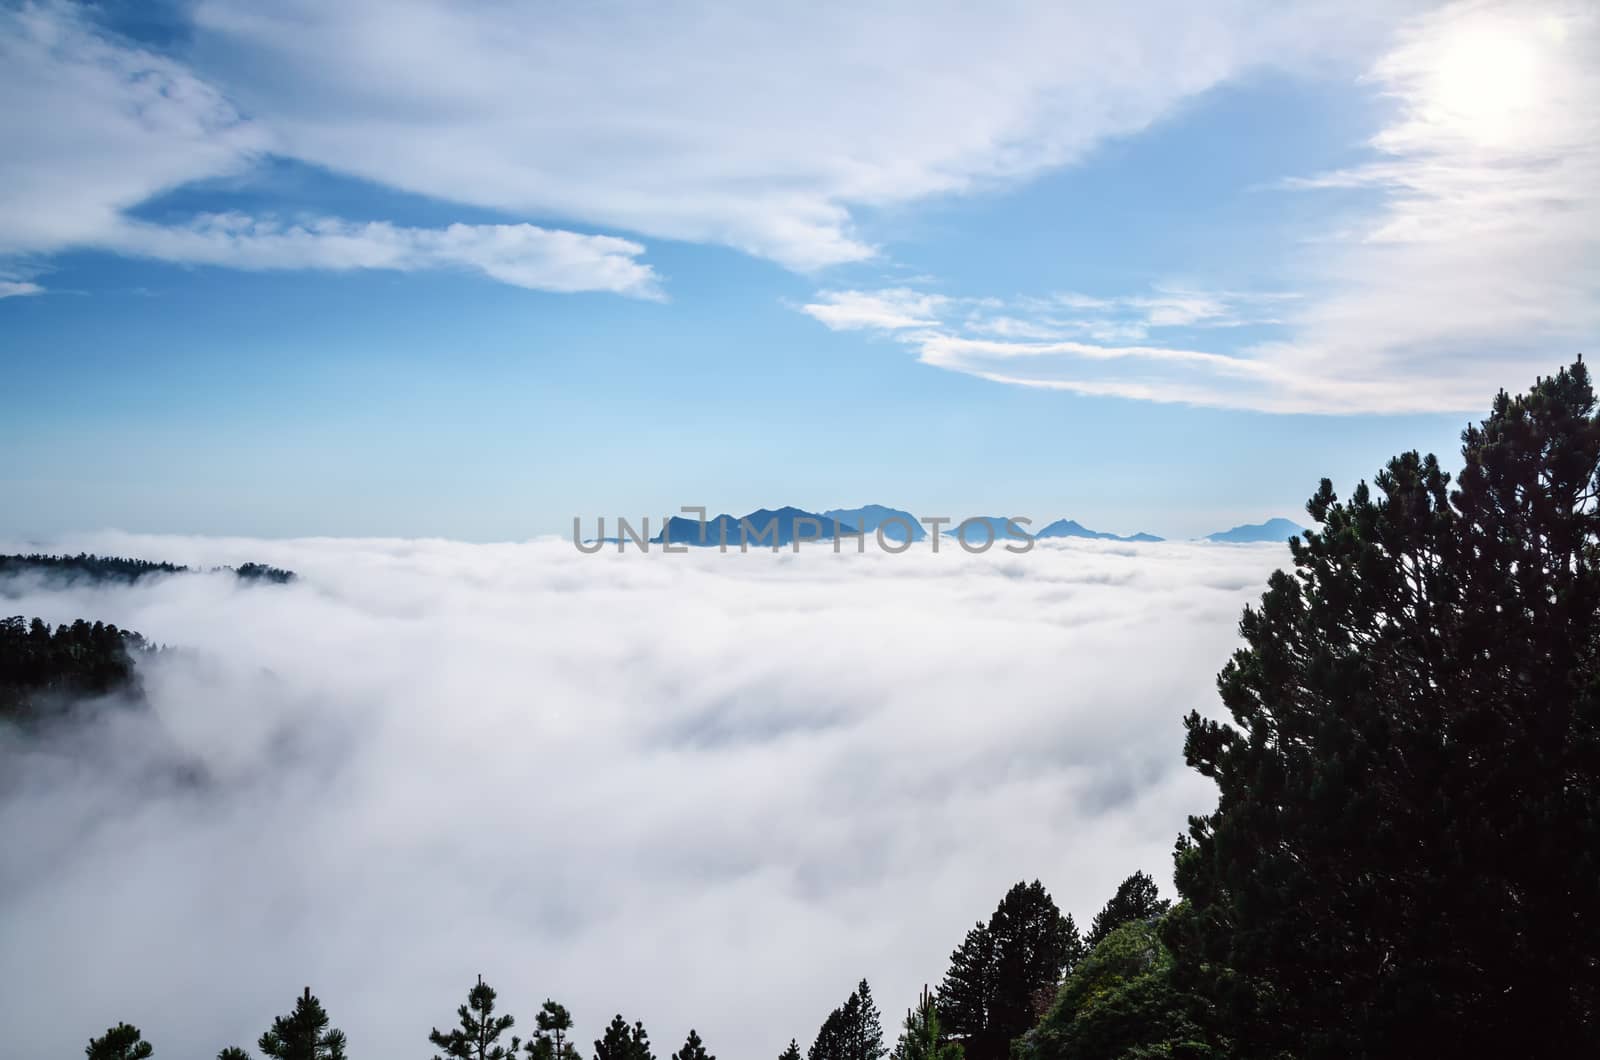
[[471, 270]]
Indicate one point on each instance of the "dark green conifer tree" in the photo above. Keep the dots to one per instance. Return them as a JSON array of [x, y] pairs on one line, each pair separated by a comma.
[[233, 1052], [1005, 973], [1404, 858], [478, 1037], [622, 1042], [1136, 899], [693, 1049], [550, 1041], [303, 1034], [967, 992], [853, 1031], [791, 1053], [863, 1026], [122, 1042], [829, 1042]]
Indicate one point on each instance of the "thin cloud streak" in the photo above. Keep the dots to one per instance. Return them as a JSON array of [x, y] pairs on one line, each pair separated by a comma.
[[97, 126], [522, 255], [1481, 259]]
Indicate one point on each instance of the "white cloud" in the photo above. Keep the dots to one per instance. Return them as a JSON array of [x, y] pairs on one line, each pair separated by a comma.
[[1478, 268], [522, 255], [1483, 267], [890, 310], [696, 789], [94, 127], [765, 129], [1100, 350], [18, 288]]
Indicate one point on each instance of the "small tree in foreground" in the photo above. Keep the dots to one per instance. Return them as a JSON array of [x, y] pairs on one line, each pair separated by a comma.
[[622, 1042], [478, 1036], [122, 1042], [922, 1038], [693, 1049], [853, 1031], [550, 1040], [1004, 973], [303, 1034]]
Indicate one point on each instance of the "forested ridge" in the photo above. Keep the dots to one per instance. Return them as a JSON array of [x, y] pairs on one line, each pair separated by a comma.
[[43, 670], [92, 569], [1404, 856]]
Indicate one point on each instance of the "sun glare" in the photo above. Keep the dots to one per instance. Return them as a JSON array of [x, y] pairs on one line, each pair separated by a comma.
[[1489, 77]]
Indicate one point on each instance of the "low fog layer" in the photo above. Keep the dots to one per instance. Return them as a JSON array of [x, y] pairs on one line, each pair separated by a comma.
[[702, 789]]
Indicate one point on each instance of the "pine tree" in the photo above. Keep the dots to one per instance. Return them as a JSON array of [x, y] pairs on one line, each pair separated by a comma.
[[622, 1042], [122, 1042], [479, 1034], [967, 992], [1136, 899], [1004, 974], [791, 1053], [863, 1026], [303, 1034], [853, 1031], [550, 1041], [1404, 858], [922, 1038], [233, 1052], [829, 1042], [693, 1049]]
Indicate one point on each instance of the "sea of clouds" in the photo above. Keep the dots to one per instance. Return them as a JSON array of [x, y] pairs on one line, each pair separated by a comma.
[[700, 790]]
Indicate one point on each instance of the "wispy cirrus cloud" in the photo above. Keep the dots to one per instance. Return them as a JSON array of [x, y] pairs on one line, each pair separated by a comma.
[[1071, 341], [95, 126], [890, 309], [1479, 259], [522, 255], [764, 131], [767, 131], [19, 288]]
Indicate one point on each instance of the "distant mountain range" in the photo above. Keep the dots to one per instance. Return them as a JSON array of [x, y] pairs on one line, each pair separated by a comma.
[[870, 517], [1073, 528], [1279, 530], [768, 527], [781, 526]]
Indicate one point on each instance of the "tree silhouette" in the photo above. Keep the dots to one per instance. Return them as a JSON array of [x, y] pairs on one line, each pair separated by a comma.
[[303, 1034], [1404, 858], [1004, 974], [853, 1031], [693, 1049], [122, 1042], [622, 1042], [478, 1036], [1136, 899], [550, 1040]]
